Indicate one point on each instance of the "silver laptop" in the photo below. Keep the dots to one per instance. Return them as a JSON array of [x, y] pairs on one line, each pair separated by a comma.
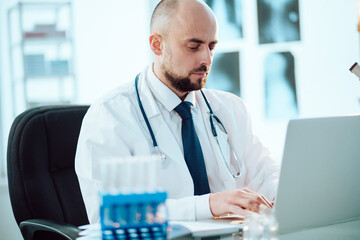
[[320, 173]]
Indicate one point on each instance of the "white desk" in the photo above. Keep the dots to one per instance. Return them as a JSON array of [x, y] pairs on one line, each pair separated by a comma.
[[347, 230]]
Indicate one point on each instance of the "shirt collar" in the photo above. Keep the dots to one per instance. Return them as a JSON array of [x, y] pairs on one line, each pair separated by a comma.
[[164, 94]]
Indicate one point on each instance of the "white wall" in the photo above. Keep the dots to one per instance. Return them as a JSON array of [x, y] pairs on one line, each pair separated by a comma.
[[108, 56], [112, 47], [329, 46], [111, 42], [8, 226]]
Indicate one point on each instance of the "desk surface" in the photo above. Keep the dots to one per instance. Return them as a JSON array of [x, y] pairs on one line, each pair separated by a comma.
[[181, 230], [346, 230]]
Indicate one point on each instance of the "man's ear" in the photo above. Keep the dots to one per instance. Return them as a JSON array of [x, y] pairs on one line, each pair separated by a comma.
[[156, 44]]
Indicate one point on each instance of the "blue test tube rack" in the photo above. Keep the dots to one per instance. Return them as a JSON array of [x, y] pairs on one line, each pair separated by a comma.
[[133, 216]]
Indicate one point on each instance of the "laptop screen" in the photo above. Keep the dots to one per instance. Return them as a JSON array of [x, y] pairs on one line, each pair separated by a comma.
[[320, 173]]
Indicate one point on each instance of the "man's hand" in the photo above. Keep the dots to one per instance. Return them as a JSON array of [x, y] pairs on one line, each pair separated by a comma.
[[236, 202]]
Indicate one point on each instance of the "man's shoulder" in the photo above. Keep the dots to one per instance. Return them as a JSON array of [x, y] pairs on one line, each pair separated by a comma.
[[113, 99], [121, 92]]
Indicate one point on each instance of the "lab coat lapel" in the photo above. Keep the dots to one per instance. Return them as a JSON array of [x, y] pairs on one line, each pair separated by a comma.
[[205, 112], [228, 180], [168, 144], [164, 136]]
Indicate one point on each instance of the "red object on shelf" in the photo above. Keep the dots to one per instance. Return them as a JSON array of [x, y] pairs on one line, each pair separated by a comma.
[[34, 34], [45, 34]]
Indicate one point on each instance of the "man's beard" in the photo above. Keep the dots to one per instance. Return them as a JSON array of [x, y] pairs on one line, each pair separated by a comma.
[[184, 84]]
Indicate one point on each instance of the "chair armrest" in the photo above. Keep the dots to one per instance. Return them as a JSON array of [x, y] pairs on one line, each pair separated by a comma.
[[30, 226]]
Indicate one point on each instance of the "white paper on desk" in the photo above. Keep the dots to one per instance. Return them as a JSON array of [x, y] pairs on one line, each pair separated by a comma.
[[204, 229], [90, 232], [90, 229], [197, 228]]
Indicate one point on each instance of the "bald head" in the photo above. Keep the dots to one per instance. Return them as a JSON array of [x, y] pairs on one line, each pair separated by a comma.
[[161, 15], [183, 38], [168, 11]]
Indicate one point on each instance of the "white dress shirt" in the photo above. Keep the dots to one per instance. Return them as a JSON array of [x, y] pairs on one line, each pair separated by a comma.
[[167, 100]]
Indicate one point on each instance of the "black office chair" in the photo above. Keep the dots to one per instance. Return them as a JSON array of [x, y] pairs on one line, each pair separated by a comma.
[[44, 189]]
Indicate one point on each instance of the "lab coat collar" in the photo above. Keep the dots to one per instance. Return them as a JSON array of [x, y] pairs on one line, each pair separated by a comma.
[[146, 96], [205, 112], [161, 92], [202, 104]]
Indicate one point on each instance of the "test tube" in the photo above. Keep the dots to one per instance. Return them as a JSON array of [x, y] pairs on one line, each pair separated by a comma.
[[138, 175], [153, 164], [125, 173], [121, 214], [108, 175], [108, 221], [160, 215], [104, 176], [150, 212]]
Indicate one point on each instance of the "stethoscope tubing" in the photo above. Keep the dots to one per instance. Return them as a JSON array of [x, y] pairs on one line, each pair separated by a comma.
[[213, 128], [144, 114]]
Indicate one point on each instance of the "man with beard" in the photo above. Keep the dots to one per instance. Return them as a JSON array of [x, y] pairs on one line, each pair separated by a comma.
[[204, 175]]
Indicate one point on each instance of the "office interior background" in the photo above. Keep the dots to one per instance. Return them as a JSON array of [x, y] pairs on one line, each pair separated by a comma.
[[286, 58]]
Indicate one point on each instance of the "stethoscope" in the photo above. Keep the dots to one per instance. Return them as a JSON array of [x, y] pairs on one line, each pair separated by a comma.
[[213, 119]]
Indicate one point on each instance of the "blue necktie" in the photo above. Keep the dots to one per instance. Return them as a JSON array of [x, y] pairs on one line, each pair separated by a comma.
[[192, 150]]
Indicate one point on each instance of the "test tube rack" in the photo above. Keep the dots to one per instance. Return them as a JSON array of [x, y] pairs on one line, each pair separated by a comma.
[[133, 216]]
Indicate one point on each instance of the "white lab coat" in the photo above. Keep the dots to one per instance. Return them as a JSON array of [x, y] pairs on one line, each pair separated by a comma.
[[114, 127]]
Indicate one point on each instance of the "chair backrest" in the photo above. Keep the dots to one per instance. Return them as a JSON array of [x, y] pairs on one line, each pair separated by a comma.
[[41, 175]]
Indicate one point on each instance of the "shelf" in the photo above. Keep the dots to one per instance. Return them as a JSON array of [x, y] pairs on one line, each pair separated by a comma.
[[34, 104], [41, 54], [48, 76], [46, 40], [42, 4], [42, 41]]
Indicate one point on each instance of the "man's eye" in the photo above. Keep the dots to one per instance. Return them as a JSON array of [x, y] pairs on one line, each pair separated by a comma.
[[193, 47], [212, 47]]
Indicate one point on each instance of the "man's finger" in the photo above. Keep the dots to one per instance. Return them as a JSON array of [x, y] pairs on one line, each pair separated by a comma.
[[261, 199], [249, 204], [240, 211], [267, 202]]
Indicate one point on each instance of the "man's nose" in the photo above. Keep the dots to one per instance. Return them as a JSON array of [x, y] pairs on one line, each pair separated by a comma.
[[206, 57]]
